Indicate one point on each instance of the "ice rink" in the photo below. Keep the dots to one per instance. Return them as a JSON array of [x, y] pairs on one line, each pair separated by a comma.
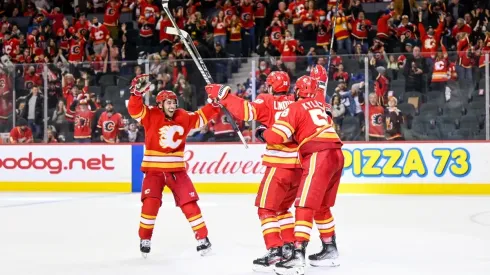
[[89, 234]]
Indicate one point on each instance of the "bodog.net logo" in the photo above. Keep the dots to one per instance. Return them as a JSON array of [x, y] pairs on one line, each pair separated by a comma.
[[56, 165]]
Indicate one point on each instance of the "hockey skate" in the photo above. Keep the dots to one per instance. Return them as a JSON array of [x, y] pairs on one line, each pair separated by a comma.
[[266, 263], [296, 264], [204, 246], [145, 247], [328, 256]]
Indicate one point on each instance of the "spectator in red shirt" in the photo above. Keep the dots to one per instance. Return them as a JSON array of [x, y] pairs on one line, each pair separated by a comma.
[[111, 17], [341, 74], [110, 124], [21, 133], [381, 86], [99, 35]]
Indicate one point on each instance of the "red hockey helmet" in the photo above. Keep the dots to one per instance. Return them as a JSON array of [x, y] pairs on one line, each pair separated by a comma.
[[164, 95], [278, 81], [319, 73], [306, 86]]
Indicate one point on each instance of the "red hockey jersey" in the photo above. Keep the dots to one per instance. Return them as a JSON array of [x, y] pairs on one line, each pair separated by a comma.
[[165, 138], [112, 13], [304, 121], [463, 46], [162, 25], [247, 16], [407, 30], [265, 109], [275, 35], [323, 36], [376, 127], [82, 28], [260, 9], [77, 50], [360, 29], [82, 122], [440, 72], [19, 136], [11, 47], [99, 34], [221, 125], [110, 125], [220, 27], [430, 43]]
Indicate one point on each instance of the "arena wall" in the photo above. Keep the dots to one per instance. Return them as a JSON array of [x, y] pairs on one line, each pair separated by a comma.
[[370, 168]]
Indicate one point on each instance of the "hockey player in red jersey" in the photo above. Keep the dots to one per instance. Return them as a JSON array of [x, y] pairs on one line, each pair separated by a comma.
[[322, 161], [279, 185], [166, 129]]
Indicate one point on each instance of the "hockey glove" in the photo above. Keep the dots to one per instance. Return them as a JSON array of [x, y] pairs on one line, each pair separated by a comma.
[[259, 133], [217, 91], [140, 85]]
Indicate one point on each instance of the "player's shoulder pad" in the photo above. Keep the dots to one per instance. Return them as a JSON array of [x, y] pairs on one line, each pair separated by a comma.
[[262, 98]]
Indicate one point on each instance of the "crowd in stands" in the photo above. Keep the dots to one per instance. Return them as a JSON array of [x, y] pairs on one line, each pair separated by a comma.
[[425, 61]]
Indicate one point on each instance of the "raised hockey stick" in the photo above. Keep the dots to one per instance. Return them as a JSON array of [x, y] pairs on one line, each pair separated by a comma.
[[331, 46], [191, 48]]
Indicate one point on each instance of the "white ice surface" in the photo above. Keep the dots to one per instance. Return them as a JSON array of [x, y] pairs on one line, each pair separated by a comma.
[[92, 234]]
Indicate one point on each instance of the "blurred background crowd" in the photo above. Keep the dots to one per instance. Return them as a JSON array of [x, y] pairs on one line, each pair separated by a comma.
[[66, 65]]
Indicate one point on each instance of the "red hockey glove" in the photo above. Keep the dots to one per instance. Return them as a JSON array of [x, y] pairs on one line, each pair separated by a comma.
[[140, 85], [217, 91]]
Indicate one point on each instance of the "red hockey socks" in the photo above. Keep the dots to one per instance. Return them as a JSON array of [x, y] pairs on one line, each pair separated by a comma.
[[270, 228], [286, 221], [303, 225], [149, 212], [193, 214], [325, 223]]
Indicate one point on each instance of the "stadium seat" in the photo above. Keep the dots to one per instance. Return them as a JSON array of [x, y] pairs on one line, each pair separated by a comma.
[[107, 80], [435, 97], [113, 93], [469, 122], [351, 128], [95, 89], [429, 109]]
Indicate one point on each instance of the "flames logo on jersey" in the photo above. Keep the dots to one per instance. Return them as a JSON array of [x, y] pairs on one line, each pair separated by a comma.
[[377, 119], [109, 126], [110, 11], [83, 31], [168, 136], [228, 12], [246, 16], [81, 121], [276, 36], [321, 31], [429, 43], [220, 25], [28, 84], [2, 83], [75, 49]]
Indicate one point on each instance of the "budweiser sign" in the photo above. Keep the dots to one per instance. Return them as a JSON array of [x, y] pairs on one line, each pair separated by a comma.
[[202, 162]]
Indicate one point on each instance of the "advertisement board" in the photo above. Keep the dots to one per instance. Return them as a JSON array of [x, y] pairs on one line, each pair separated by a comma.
[[386, 168], [383, 168], [65, 168]]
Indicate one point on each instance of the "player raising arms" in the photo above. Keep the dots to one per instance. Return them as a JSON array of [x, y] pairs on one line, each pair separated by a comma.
[[166, 129], [279, 185], [322, 161]]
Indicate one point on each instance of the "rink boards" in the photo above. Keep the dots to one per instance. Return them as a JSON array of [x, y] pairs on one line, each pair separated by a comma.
[[383, 168]]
